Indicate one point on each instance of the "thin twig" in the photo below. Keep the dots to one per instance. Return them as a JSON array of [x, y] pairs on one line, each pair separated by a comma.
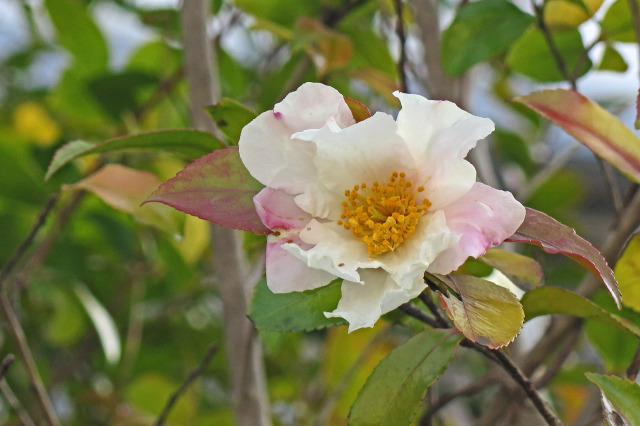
[[162, 418], [6, 363], [502, 360], [555, 52], [515, 372], [402, 71], [411, 310], [22, 248], [610, 180], [27, 359], [632, 371], [14, 402], [562, 356], [635, 19], [449, 397], [434, 309]]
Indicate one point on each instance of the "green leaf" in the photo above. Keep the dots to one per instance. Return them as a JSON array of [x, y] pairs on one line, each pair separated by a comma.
[[296, 311], [394, 391], [283, 12], [612, 60], [523, 269], [627, 272], [616, 24], [563, 14], [547, 300], [514, 148], [479, 31], [188, 142], [590, 124], [230, 117], [78, 33], [554, 237], [622, 394], [485, 312], [530, 55]]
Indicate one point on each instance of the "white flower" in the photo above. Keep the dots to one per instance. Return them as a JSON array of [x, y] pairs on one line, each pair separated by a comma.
[[375, 203]]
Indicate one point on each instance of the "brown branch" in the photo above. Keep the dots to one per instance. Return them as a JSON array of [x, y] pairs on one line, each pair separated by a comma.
[[635, 19], [553, 47], [632, 371], [506, 363], [27, 359], [14, 402], [195, 373], [426, 299], [22, 248], [414, 312], [402, 70], [449, 397], [6, 363]]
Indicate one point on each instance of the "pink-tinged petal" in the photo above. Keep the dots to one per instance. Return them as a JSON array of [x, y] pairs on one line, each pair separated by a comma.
[[483, 217], [363, 304], [366, 152], [554, 237], [217, 188], [310, 107], [278, 210], [590, 124], [446, 181], [286, 273], [439, 129]]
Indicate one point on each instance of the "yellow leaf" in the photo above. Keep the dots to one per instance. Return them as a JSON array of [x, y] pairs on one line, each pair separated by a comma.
[[195, 240], [32, 122], [564, 14], [485, 313], [125, 189], [627, 272]]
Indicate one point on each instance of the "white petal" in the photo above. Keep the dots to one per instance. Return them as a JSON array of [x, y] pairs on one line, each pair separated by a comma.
[[445, 181], [363, 304], [286, 273], [273, 158], [366, 152], [266, 147], [439, 129], [432, 237], [483, 217], [334, 249]]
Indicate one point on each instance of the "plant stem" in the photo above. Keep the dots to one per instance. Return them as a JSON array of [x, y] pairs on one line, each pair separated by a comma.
[[162, 418], [27, 359], [402, 70]]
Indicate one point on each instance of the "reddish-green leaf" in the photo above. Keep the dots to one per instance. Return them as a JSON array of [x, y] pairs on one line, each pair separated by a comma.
[[590, 124], [217, 188], [547, 300], [485, 312], [394, 391], [554, 237], [359, 111]]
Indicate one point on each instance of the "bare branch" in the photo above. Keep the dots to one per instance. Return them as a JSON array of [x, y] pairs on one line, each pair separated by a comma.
[[14, 402], [402, 70], [6, 363], [162, 418]]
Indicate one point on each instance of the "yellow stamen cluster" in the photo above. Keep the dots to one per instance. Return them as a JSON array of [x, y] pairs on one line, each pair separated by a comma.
[[383, 216]]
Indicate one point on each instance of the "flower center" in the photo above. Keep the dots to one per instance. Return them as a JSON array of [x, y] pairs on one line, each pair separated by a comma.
[[383, 216]]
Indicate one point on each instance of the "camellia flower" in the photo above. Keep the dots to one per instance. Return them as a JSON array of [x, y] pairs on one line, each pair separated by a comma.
[[376, 202]]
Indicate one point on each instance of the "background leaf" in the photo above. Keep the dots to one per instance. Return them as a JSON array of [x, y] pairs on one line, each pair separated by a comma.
[[591, 125], [189, 142], [627, 272], [523, 269], [548, 300], [230, 117], [623, 394], [394, 391]]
